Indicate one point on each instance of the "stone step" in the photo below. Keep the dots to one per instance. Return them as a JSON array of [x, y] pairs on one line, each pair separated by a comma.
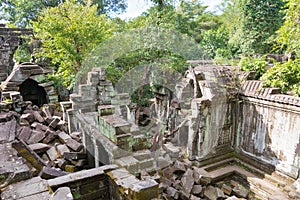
[[274, 178], [218, 164], [260, 186]]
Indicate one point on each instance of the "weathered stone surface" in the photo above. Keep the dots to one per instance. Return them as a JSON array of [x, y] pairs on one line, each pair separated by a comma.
[[32, 189], [172, 192], [52, 153], [28, 117], [61, 163], [213, 193], [7, 131], [62, 149], [48, 173], [6, 116], [240, 191], [233, 198], [24, 150], [36, 136], [54, 122], [171, 149], [39, 126], [226, 189], [39, 147], [147, 189], [201, 176], [179, 167], [46, 112], [74, 145], [62, 193], [63, 137], [197, 189], [24, 133], [36, 115], [50, 136], [188, 181], [12, 167]]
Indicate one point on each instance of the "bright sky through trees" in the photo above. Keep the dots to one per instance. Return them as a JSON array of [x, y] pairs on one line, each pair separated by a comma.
[[136, 7]]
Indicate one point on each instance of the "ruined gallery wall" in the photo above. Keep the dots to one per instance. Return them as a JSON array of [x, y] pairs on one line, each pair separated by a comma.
[[269, 127], [210, 123]]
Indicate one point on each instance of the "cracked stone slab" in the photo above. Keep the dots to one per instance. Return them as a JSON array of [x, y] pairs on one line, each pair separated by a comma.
[[12, 167], [35, 188]]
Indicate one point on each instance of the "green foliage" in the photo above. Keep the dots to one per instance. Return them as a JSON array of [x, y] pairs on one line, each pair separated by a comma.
[[188, 18], [68, 33], [284, 75], [21, 12], [132, 59], [256, 25], [289, 33], [22, 54], [256, 64], [215, 43]]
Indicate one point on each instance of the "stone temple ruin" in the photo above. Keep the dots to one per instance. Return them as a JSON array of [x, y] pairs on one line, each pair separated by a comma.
[[216, 134]]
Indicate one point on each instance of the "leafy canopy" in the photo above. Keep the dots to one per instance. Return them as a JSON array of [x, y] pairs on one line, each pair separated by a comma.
[[68, 33], [256, 25], [21, 12], [289, 33], [284, 75]]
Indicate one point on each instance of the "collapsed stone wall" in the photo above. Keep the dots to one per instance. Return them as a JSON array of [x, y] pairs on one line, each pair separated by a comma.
[[213, 116], [9, 42], [207, 96], [38, 86]]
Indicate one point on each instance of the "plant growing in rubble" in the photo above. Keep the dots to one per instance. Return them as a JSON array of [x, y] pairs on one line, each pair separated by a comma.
[[68, 33]]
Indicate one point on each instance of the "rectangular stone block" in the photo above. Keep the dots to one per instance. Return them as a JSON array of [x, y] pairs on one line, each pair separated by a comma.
[[36, 136], [49, 173], [29, 154]]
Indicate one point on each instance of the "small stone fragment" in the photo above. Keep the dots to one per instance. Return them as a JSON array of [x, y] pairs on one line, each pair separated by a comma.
[[188, 181], [48, 173], [52, 153], [226, 189], [172, 192], [62, 193], [197, 189], [240, 191], [36, 136], [61, 149], [39, 147]]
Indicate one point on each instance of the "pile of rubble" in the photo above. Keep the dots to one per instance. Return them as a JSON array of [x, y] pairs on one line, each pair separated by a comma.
[[39, 135], [182, 180]]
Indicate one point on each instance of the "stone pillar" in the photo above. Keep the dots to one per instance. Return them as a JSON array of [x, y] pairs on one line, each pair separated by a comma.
[[72, 122]]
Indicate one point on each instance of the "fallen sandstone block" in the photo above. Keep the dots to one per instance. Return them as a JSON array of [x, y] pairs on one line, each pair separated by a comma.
[[28, 154]]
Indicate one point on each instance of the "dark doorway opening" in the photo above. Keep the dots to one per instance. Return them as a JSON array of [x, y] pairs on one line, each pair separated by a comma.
[[31, 91]]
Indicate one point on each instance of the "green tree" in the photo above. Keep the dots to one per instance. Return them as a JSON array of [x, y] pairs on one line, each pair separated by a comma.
[[257, 23], [68, 33], [289, 33], [189, 17], [21, 12], [284, 75]]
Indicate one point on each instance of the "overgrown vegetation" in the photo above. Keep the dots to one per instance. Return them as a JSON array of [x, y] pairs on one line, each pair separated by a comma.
[[284, 75], [70, 29]]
